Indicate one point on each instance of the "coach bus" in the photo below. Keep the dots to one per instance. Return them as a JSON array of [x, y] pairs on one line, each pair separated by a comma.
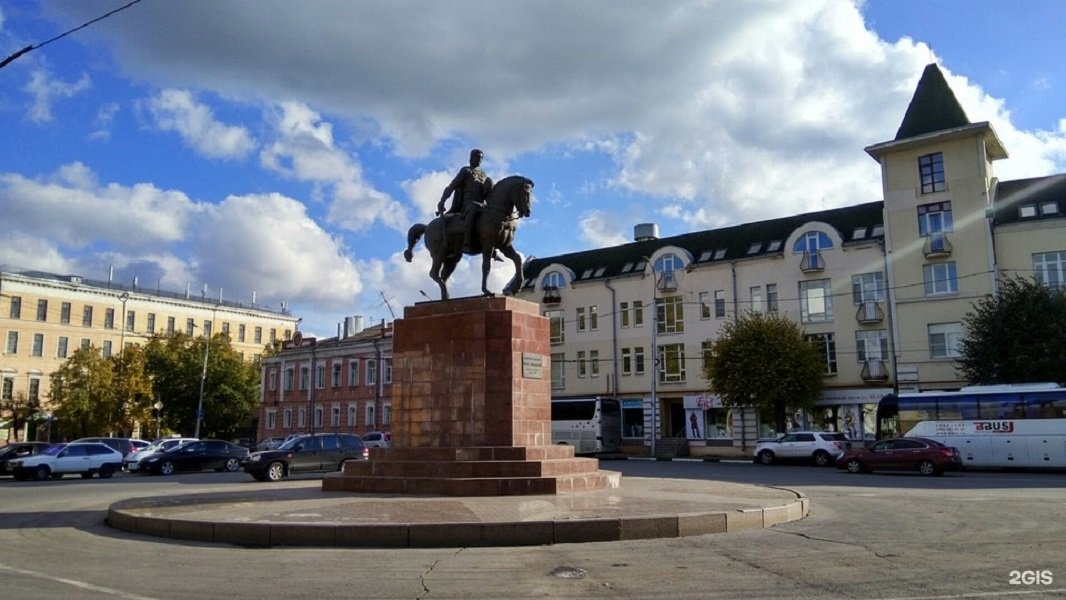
[[995, 426], [590, 425]]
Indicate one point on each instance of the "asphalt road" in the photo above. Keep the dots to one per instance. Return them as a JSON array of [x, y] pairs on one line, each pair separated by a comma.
[[899, 536]]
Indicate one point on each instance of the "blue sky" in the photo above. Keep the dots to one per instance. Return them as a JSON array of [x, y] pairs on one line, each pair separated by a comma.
[[284, 148]]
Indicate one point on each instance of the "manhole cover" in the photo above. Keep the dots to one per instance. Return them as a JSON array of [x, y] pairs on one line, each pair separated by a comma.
[[569, 572]]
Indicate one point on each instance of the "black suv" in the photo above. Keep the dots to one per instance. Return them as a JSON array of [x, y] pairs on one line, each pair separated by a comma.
[[319, 452]]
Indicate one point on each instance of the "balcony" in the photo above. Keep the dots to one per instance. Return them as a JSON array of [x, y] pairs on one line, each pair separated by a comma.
[[869, 312], [812, 262], [874, 371], [667, 282], [936, 245], [551, 295]]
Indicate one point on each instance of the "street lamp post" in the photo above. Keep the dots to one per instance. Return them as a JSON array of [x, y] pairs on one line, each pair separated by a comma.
[[158, 406], [203, 378]]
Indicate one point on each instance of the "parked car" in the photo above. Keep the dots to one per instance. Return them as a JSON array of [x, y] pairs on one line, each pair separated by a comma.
[[928, 457], [319, 452], [58, 460], [377, 439], [19, 450], [201, 455], [124, 445], [132, 463], [821, 447]]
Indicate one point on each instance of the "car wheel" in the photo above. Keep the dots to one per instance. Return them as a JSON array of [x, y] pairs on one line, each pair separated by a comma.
[[822, 458], [42, 473], [766, 457], [166, 468], [106, 471], [854, 466], [233, 465], [275, 471], [927, 467]]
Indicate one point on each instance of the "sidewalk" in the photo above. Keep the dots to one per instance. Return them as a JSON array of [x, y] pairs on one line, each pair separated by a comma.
[[299, 513]]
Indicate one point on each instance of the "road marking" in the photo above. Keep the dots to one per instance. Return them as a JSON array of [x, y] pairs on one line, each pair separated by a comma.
[[73, 583]]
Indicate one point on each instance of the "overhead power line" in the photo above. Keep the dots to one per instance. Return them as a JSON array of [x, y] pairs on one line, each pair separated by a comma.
[[14, 56]]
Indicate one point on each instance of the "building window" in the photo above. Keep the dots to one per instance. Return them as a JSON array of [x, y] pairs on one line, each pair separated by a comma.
[[871, 345], [555, 280], [272, 377], [318, 416], [105, 350], [240, 332], [290, 374], [707, 350], [38, 345], [258, 335], [62, 346], [558, 372], [945, 340], [370, 420], [171, 325], [940, 279], [305, 378], [64, 313], [826, 345], [581, 318], [16, 307], [670, 315], [353, 372], [12, 347], [286, 418], [301, 418], [931, 172], [35, 390], [594, 363], [387, 368], [131, 318], [638, 360], [719, 304], [371, 371], [150, 325], [557, 322], [320, 376], [1050, 268], [755, 302], [582, 365], [42, 310], [353, 411], [771, 297], [386, 415], [868, 287], [85, 344], [705, 306], [335, 379], [335, 415], [272, 418], [190, 326], [273, 335], [109, 318], [623, 310], [934, 219], [627, 361], [816, 301], [87, 317], [8, 389], [813, 242], [672, 363], [594, 318], [225, 328]]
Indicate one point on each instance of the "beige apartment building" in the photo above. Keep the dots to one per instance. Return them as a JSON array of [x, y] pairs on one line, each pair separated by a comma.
[[880, 287], [45, 317]]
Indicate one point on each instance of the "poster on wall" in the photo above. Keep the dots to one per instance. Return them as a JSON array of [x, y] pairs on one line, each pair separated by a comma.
[[851, 421], [694, 424]]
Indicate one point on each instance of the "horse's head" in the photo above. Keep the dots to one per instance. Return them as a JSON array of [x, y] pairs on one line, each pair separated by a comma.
[[523, 197], [514, 193]]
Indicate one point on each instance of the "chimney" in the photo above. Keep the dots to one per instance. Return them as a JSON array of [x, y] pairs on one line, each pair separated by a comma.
[[646, 231], [353, 325]]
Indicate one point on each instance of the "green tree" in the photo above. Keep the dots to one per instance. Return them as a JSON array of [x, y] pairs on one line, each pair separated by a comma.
[[18, 409], [132, 387], [1018, 336], [83, 393], [230, 385], [763, 361]]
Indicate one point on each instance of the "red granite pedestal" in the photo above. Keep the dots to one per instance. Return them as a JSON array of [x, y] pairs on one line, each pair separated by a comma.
[[472, 408]]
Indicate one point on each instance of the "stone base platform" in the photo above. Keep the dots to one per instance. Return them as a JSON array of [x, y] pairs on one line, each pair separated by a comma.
[[472, 471]]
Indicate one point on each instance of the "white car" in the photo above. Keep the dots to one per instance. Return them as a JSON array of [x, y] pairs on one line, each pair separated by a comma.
[[377, 439], [84, 459], [821, 447], [132, 463]]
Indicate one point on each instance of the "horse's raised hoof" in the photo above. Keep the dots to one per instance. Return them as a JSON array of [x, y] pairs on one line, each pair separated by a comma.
[[408, 255]]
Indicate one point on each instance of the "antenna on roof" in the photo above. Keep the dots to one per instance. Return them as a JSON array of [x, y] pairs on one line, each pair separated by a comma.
[[389, 306]]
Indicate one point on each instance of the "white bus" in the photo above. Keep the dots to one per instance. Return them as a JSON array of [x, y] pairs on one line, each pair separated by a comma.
[[996, 426], [590, 425]]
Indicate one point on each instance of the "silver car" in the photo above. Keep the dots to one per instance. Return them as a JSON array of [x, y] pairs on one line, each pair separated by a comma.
[[132, 463]]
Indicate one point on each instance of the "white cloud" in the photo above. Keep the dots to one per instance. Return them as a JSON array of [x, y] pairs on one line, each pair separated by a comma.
[[46, 91], [105, 118], [177, 111], [602, 229]]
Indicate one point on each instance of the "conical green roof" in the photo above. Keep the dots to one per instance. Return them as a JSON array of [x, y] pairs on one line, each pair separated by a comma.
[[933, 107]]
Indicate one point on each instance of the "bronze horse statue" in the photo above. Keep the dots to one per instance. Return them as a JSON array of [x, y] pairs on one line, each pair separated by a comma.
[[494, 230]]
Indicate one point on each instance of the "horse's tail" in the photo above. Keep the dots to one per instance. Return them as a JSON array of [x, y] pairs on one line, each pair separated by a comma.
[[413, 235]]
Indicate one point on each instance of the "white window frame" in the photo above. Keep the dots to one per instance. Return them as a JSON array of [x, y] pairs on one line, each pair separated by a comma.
[[940, 279], [945, 340], [816, 294]]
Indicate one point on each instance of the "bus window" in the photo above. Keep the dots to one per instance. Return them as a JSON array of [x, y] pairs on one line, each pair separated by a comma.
[[915, 410], [1002, 406]]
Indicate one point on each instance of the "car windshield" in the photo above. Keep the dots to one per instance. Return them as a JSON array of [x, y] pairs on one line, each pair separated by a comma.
[[290, 444], [54, 449]]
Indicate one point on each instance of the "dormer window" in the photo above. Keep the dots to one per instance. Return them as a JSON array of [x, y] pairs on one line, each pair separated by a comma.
[[755, 248], [1049, 208], [1027, 211], [811, 245], [554, 280], [774, 246], [719, 254]]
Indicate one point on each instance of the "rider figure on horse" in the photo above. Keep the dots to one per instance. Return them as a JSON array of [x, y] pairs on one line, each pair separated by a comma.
[[469, 189]]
